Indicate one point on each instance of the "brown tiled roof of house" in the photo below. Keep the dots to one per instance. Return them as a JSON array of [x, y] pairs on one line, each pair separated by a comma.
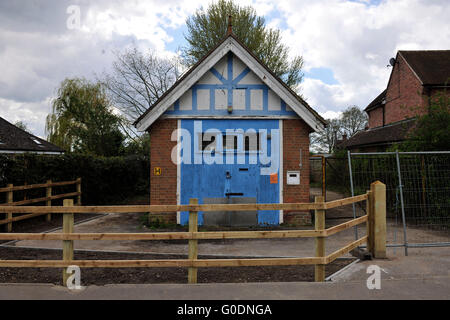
[[431, 66], [381, 135], [14, 139]]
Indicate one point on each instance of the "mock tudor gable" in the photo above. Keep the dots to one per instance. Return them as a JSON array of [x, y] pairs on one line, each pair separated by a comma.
[[216, 70], [230, 131]]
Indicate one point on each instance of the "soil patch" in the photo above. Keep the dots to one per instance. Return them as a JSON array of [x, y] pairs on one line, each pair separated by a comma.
[[103, 276]]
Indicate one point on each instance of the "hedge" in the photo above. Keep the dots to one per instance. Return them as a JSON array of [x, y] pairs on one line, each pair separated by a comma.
[[104, 180]]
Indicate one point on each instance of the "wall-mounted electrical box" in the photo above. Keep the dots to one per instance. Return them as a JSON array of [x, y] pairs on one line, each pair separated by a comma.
[[293, 177]]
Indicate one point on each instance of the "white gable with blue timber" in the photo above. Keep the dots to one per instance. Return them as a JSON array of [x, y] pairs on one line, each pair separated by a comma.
[[230, 83], [229, 76]]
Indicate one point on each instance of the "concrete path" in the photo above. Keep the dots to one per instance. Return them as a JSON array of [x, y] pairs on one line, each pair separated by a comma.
[[434, 288]]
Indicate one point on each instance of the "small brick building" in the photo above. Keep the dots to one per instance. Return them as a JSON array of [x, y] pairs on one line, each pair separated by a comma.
[[230, 131], [416, 77]]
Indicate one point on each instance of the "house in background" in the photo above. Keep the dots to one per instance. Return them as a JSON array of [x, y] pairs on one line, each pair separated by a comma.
[[225, 97], [15, 140], [416, 77]]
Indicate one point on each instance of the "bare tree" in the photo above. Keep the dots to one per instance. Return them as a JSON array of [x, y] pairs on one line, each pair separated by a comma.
[[325, 141], [138, 80], [351, 121]]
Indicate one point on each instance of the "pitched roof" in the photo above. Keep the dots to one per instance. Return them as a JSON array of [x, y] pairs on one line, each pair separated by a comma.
[[14, 139], [431, 66], [206, 56], [381, 135], [378, 101]]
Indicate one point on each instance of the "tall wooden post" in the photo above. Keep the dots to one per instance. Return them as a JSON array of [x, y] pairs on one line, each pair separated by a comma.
[[79, 192], [9, 199], [193, 244], [48, 194], [378, 189], [319, 218], [68, 221]]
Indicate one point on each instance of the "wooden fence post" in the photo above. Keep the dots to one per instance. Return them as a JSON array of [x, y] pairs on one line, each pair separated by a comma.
[[378, 189], [193, 244], [68, 222], [319, 218], [9, 199], [48, 217], [79, 192]]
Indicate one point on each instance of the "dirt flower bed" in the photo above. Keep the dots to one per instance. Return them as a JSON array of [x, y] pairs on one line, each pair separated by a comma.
[[102, 276]]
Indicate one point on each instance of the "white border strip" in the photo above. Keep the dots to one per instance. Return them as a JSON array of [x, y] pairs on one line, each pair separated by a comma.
[[178, 168], [281, 174]]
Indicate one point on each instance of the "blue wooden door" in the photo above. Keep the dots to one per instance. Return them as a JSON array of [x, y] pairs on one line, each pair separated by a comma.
[[235, 174]]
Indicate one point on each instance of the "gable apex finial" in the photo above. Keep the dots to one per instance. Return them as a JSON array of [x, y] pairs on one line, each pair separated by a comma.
[[230, 26]]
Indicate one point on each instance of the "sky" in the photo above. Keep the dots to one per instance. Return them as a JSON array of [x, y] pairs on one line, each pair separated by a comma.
[[346, 45]]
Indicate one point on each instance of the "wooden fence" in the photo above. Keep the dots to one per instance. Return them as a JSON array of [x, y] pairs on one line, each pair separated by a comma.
[[375, 238], [49, 196]]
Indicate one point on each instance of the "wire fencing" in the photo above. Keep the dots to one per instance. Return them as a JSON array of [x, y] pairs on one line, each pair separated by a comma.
[[417, 194]]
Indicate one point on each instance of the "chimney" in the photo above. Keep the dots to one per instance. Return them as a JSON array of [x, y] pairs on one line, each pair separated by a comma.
[[230, 26], [344, 137]]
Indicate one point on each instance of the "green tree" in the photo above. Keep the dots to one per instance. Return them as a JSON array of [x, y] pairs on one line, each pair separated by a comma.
[[207, 27], [431, 131], [82, 119]]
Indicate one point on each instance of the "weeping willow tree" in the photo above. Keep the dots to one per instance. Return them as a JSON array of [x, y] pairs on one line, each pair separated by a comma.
[[207, 27], [82, 119]]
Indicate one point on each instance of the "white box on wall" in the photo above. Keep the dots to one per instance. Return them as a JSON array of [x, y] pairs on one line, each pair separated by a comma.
[[293, 177]]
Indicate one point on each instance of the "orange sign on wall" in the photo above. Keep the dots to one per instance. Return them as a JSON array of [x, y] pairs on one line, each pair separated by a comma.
[[157, 171], [274, 178]]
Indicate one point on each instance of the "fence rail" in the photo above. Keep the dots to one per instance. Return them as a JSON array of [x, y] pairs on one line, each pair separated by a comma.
[[10, 189], [374, 220]]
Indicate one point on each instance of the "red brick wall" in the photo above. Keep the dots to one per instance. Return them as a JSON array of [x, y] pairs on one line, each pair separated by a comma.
[[404, 94], [163, 188], [296, 136], [376, 117]]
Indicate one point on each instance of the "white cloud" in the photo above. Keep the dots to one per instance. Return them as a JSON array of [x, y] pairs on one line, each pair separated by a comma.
[[331, 114], [33, 114], [356, 40]]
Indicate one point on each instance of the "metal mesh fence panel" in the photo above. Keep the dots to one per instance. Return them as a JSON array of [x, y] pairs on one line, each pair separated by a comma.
[[383, 167], [426, 194], [417, 186]]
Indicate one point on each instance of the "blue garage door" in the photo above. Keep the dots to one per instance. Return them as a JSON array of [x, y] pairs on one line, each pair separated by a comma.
[[236, 174]]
